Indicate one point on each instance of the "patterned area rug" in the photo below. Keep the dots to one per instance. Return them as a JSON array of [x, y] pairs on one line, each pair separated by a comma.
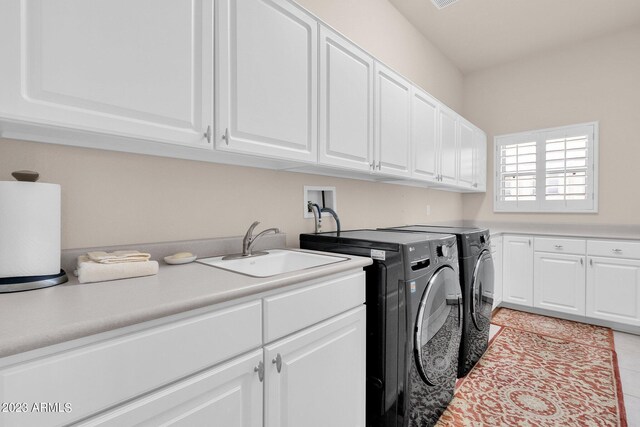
[[571, 331], [532, 379]]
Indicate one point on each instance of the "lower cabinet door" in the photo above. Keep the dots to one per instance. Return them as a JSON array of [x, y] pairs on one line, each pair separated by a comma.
[[229, 395], [496, 254], [613, 290], [559, 282], [316, 378], [517, 270]]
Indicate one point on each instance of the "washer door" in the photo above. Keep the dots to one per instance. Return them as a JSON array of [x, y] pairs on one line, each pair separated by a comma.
[[482, 291], [438, 328]]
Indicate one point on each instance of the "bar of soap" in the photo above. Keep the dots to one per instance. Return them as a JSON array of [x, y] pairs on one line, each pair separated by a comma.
[[180, 258], [182, 255]]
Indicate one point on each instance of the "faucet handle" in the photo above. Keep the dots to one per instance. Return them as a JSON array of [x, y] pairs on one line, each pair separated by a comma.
[[252, 227]]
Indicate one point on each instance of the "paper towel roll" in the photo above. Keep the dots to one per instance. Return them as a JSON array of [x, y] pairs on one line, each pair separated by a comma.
[[29, 229]]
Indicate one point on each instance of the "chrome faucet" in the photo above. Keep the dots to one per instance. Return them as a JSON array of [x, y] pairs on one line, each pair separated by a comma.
[[249, 240]]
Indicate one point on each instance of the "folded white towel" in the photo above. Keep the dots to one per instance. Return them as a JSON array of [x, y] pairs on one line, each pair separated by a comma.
[[90, 271], [118, 256]]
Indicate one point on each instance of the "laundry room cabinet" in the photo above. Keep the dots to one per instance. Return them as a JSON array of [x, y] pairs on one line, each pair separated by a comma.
[[316, 377], [346, 103], [467, 154], [559, 274], [392, 96], [259, 83], [231, 394], [267, 63], [496, 254], [449, 145], [425, 134], [613, 281], [517, 270], [138, 70], [480, 160], [293, 356]]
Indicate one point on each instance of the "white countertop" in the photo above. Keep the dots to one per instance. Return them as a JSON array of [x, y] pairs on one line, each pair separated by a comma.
[[585, 231], [39, 318]]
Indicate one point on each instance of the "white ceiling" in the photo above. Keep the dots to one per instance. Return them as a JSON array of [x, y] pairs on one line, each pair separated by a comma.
[[477, 34]]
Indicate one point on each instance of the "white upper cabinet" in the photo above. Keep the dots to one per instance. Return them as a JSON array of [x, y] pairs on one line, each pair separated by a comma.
[[392, 122], [346, 103], [141, 70], [449, 143], [467, 154], [256, 82], [424, 135], [268, 79], [472, 156], [480, 160]]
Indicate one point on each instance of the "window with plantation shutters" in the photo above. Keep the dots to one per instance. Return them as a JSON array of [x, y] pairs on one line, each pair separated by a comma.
[[548, 170]]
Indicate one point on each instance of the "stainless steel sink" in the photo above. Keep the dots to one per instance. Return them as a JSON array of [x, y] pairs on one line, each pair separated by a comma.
[[276, 261]]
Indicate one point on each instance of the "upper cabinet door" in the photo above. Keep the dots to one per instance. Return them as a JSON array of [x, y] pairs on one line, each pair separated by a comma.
[[480, 160], [141, 69], [449, 141], [268, 83], [466, 155], [393, 109], [424, 135], [346, 103]]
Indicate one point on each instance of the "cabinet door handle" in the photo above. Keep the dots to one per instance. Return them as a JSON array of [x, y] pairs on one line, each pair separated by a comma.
[[260, 370], [557, 246], [529, 242], [207, 134], [581, 261], [591, 262], [379, 165], [372, 165], [226, 136], [278, 362], [616, 251]]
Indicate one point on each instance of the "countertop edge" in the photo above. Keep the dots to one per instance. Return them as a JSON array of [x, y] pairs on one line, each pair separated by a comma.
[[12, 346]]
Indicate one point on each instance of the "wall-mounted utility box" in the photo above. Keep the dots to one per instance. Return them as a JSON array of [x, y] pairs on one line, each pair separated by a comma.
[[325, 197]]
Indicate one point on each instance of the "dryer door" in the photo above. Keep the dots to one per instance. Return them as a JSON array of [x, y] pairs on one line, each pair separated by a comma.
[[482, 291], [438, 328]]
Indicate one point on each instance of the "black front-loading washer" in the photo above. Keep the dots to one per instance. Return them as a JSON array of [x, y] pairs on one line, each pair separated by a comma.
[[477, 280], [414, 321]]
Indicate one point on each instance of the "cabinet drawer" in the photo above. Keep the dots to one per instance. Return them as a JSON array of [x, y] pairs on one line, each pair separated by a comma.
[[97, 376], [613, 248], [559, 245], [291, 311]]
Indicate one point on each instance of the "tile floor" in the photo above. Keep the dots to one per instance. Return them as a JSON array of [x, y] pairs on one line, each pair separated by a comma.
[[628, 349]]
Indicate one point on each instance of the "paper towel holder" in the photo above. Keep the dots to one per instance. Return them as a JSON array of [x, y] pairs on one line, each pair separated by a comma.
[[27, 283]]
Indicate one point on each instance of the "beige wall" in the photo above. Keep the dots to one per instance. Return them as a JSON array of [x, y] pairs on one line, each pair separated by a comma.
[[596, 80], [378, 27], [111, 198], [114, 198]]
